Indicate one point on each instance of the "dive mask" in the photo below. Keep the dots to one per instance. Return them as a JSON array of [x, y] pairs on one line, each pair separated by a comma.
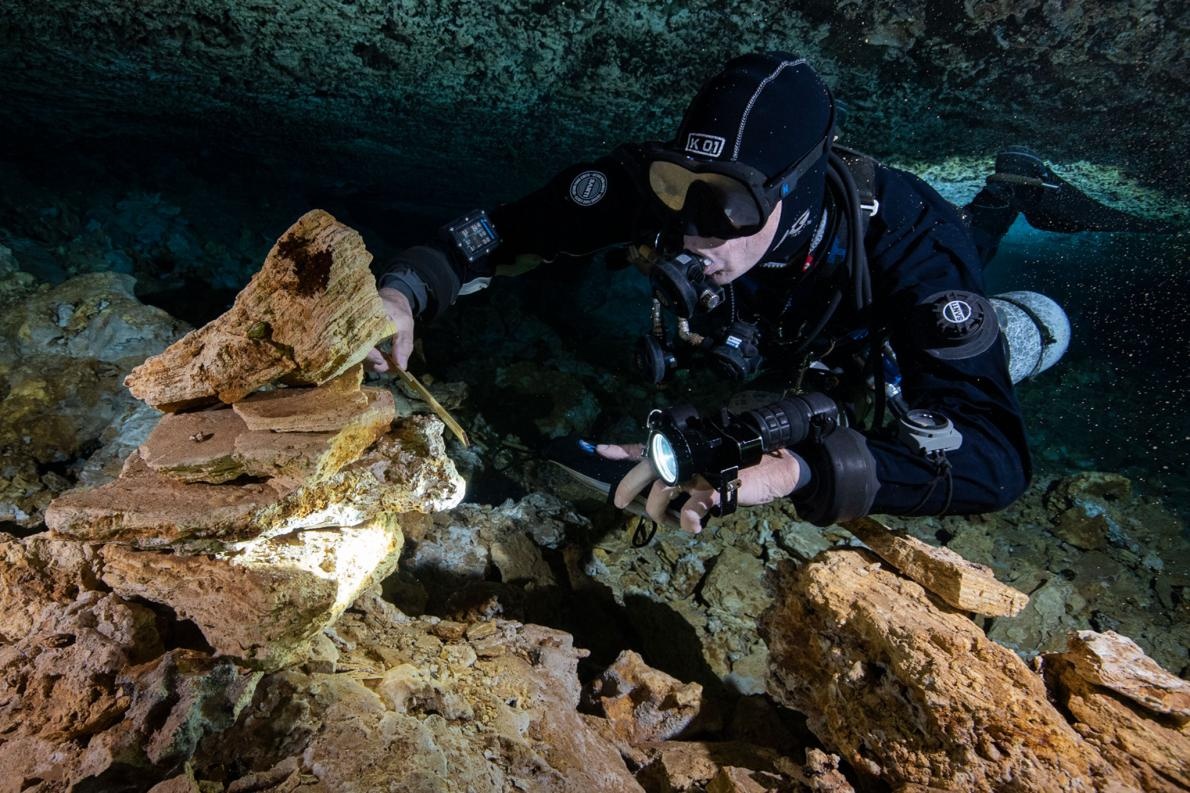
[[723, 199]]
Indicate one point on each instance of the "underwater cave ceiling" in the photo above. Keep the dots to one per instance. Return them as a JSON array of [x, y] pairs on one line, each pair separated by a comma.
[[468, 97]]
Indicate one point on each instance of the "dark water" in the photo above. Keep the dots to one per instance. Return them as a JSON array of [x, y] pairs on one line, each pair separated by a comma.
[[1118, 400]]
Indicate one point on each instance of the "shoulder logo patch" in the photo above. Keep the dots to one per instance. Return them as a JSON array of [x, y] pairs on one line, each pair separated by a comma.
[[705, 145], [588, 188]]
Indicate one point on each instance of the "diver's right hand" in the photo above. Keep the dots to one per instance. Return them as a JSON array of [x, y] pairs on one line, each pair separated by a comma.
[[396, 305]]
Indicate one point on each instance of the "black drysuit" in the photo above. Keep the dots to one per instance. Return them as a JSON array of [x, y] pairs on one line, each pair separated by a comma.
[[917, 245]]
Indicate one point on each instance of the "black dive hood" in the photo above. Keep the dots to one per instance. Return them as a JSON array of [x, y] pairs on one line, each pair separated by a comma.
[[772, 112]]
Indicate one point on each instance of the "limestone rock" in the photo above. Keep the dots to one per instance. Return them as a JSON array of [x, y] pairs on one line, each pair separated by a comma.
[[644, 704], [14, 284], [88, 699], [692, 766], [961, 584], [63, 354], [1043, 624], [217, 446], [406, 471], [262, 601], [1081, 507], [415, 711], [460, 547], [326, 408], [196, 447], [310, 314], [910, 693], [90, 317], [1121, 701]]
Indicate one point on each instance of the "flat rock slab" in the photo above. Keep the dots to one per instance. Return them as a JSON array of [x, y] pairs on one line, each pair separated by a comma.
[[196, 447], [326, 408], [407, 470], [216, 446], [309, 315]]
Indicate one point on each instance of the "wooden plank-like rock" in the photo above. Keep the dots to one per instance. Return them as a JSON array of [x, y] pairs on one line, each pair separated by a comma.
[[326, 408], [911, 693], [310, 314], [965, 585]]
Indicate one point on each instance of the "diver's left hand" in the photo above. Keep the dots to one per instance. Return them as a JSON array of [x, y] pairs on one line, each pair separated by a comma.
[[775, 476]]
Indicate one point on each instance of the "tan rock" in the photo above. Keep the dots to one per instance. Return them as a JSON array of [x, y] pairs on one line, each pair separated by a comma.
[[730, 779], [1121, 701], [910, 693], [326, 408], [309, 315], [962, 584], [405, 471], [644, 704], [402, 716], [262, 601], [153, 509]]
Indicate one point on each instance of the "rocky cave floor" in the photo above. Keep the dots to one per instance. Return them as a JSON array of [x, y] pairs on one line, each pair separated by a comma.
[[1091, 550]]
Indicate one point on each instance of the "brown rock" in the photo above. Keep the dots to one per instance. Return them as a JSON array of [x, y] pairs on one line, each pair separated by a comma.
[[644, 704], [154, 509], [690, 766], [731, 779], [326, 408], [39, 573], [58, 682], [196, 447], [962, 584], [216, 446], [406, 471], [1121, 701], [305, 456], [309, 315], [910, 693], [262, 601], [88, 700]]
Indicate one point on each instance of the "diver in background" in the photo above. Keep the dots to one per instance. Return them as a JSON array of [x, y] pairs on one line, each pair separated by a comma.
[[779, 250]]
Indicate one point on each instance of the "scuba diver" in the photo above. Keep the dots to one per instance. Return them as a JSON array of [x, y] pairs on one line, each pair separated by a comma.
[[772, 247]]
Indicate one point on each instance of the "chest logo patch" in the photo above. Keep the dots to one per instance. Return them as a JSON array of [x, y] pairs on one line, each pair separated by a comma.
[[957, 312], [588, 188]]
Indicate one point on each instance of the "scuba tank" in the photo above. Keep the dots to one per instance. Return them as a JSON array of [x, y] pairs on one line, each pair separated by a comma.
[[1035, 332]]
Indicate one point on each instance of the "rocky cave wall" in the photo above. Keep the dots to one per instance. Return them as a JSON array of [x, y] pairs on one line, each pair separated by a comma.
[[485, 99]]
